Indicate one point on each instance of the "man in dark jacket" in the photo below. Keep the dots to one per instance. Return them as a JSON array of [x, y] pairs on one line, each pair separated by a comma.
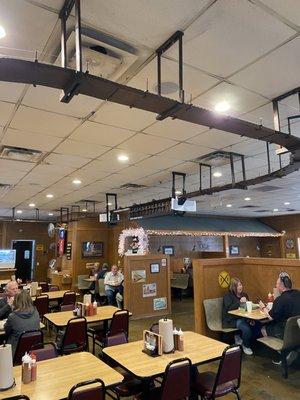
[[11, 289]]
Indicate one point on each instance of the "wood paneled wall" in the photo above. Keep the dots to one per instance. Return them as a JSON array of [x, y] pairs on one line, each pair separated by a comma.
[[259, 276]]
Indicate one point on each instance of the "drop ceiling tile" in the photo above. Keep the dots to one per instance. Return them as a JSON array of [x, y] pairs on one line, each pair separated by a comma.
[[249, 147], [224, 40], [269, 76], [123, 117], [5, 112], [10, 91], [185, 152], [37, 121], [106, 135], [30, 140], [156, 163], [47, 99], [110, 162], [148, 144], [239, 99], [289, 9], [175, 129], [215, 139], [68, 161], [83, 149], [15, 165], [10, 177]]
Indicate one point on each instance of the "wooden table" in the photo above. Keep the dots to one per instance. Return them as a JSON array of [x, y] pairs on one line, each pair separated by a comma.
[[2, 332], [55, 377], [255, 314], [58, 294], [198, 348], [60, 319]]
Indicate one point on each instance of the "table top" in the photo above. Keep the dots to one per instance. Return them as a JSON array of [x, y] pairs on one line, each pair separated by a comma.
[[198, 348], [4, 281], [91, 279], [58, 294], [55, 377], [61, 318], [2, 332], [255, 314]]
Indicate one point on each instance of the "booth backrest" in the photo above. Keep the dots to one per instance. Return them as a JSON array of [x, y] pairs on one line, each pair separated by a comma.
[[82, 284], [213, 313], [180, 281]]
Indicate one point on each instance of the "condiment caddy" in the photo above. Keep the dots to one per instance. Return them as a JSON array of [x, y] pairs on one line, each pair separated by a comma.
[[85, 310]]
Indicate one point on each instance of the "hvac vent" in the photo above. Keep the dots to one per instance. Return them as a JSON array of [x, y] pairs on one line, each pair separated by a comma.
[[250, 206], [4, 188], [20, 154], [262, 211], [132, 186], [218, 158], [267, 188]]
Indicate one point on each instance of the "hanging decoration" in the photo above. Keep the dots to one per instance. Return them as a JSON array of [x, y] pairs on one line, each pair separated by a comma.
[[202, 233], [140, 241]]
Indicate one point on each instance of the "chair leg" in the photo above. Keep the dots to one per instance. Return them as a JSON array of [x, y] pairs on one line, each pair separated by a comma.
[[236, 392], [284, 365]]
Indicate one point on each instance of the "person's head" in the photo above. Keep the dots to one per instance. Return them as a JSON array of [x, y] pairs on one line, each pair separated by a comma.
[[11, 289], [114, 269], [22, 301], [284, 282], [236, 286], [104, 267]]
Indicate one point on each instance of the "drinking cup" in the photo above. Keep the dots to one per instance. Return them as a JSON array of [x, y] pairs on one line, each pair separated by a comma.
[[249, 306]]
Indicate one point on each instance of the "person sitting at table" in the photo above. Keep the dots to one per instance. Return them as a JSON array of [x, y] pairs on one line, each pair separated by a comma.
[[25, 317], [11, 289], [232, 300], [113, 284], [285, 306]]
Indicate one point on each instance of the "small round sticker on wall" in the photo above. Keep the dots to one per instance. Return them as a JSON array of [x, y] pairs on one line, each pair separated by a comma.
[[224, 279]]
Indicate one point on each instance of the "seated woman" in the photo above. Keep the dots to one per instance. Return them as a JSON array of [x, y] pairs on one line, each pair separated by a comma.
[[25, 317], [232, 300]]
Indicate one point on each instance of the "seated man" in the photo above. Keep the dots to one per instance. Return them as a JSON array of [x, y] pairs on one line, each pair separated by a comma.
[[113, 284], [285, 306], [11, 289]]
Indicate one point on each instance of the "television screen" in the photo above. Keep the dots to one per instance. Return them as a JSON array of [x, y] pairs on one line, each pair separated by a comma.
[[7, 258]]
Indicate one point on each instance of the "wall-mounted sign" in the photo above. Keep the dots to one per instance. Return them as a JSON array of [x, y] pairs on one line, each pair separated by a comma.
[[160, 303], [149, 290], [39, 247], [224, 279], [69, 250], [138, 275], [290, 255], [163, 262], [61, 241], [289, 244]]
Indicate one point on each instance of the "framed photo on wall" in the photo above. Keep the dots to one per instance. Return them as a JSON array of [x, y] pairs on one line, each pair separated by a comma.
[[154, 268], [234, 250], [92, 249], [168, 250]]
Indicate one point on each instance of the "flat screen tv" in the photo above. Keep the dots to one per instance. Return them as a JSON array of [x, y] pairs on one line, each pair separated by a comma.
[[7, 258]]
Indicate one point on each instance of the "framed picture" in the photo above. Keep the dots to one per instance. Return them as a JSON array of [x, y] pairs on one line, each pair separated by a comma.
[[168, 250], [154, 268], [92, 249], [234, 250]]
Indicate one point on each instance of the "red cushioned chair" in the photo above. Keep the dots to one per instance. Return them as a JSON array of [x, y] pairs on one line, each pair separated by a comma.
[[75, 337], [210, 385], [42, 304], [175, 384], [53, 288], [44, 351], [26, 340], [68, 298], [44, 286], [78, 392]]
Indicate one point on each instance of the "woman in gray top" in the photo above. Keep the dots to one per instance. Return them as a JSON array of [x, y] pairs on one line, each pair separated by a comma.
[[24, 318]]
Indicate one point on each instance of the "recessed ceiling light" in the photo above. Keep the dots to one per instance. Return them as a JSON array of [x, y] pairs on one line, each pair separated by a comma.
[[178, 192], [31, 205], [287, 203], [217, 174], [50, 214], [109, 204], [84, 210], [2, 32], [49, 196], [228, 205], [19, 211], [123, 157], [76, 181], [275, 209], [222, 106], [247, 198]]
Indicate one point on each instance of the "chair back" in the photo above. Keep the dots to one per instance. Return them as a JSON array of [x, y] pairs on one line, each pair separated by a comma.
[[69, 298], [67, 307], [119, 323], [42, 304], [180, 281], [75, 337], [81, 283], [213, 313], [44, 286], [90, 393], [229, 368], [118, 338], [53, 288], [26, 340], [176, 381], [18, 397], [44, 351], [101, 287], [291, 338]]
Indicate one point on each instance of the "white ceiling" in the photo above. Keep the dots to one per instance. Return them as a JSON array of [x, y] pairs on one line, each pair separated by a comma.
[[245, 52]]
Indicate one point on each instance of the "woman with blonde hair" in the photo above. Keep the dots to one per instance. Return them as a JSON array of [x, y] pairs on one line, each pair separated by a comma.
[[233, 299], [23, 318]]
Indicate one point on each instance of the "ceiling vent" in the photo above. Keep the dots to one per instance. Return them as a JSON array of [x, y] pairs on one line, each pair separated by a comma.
[[262, 211], [20, 154], [267, 188], [132, 186], [218, 158], [250, 206], [101, 56]]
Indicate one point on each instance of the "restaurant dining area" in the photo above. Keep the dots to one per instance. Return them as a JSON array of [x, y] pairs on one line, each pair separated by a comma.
[[149, 199]]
